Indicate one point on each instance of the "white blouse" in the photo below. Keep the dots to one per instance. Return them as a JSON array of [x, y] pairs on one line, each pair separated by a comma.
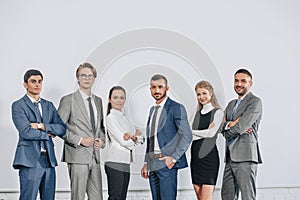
[[207, 133], [120, 150]]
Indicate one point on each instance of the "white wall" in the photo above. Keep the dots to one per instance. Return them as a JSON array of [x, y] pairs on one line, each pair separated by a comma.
[[55, 36]]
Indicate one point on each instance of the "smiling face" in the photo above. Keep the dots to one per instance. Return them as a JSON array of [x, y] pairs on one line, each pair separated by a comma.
[[203, 96], [159, 90], [117, 99], [34, 86], [242, 84]]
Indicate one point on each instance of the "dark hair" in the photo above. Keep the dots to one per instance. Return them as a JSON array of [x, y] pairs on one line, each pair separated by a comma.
[[243, 71], [109, 96], [31, 72], [86, 65], [158, 77]]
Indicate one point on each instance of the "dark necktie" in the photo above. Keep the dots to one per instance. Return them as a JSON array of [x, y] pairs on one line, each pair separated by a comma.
[[39, 116], [152, 130], [39, 120], [92, 115]]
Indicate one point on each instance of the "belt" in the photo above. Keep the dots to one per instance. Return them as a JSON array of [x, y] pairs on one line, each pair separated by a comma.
[[155, 156], [44, 153]]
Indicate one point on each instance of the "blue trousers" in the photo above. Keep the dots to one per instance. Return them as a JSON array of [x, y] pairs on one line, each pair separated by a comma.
[[39, 178], [163, 184]]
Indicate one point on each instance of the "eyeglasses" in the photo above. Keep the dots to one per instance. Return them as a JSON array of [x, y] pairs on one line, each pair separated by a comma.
[[86, 76]]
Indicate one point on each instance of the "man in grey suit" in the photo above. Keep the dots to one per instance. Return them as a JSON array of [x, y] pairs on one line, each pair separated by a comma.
[[83, 114], [240, 127]]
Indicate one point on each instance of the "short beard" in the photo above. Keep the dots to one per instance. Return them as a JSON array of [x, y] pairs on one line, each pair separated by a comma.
[[242, 93], [163, 96]]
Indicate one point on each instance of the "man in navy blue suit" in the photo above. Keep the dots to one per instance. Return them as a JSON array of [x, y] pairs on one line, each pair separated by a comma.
[[37, 122], [168, 138]]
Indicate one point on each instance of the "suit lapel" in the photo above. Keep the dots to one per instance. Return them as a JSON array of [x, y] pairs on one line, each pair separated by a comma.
[[163, 115], [230, 109], [31, 106], [81, 106], [244, 102], [99, 111], [45, 113]]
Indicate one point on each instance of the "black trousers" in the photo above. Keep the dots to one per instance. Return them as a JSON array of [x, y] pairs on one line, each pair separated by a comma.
[[118, 176]]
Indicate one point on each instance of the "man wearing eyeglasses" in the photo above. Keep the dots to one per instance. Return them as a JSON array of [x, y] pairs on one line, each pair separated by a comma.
[[82, 112]]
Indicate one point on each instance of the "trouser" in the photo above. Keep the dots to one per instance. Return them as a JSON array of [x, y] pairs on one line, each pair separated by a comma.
[[39, 178], [163, 184], [118, 176], [85, 178], [239, 176]]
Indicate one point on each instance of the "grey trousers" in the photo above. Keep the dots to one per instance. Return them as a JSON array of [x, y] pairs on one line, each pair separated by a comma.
[[239, 176], [85, 178]]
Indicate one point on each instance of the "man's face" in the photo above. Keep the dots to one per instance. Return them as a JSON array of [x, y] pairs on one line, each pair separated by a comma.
[[242, 84], [85, 78], [34, 85], [159, 90]]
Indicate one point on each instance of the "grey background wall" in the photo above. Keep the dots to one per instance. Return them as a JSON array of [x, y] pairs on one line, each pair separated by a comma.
[[56, 36]]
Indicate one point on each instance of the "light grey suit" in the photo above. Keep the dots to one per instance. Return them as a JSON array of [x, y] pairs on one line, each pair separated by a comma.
[[83, 162], [242, 149]]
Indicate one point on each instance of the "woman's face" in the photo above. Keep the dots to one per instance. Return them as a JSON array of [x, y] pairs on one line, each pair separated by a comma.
[[117, 99], [203, 96]]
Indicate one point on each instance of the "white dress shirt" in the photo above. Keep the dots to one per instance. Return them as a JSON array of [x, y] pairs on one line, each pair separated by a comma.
[[41, 111], [161, 106], [86, 104], [120, 150]]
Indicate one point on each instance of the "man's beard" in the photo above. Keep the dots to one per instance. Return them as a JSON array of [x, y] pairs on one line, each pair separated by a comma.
[[161, 97], [242, 93]]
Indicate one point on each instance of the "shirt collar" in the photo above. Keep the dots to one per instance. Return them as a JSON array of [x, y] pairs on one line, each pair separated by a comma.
[[207, 108], [162, 104], [244, 96], [84, 95], [115, 111], [33, 100]]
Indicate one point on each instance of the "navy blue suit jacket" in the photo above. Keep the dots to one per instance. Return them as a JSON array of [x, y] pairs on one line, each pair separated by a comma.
[[174, 135], [28, 149]]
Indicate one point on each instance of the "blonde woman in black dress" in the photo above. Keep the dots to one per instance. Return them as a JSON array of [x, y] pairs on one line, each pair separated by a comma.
[[204, 153]]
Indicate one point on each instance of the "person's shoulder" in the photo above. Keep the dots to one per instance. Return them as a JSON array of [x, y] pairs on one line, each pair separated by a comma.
[[97, 97], [69, 96], [20, 100], [172, 102], [254, 97], [45, 101], [176, 105]]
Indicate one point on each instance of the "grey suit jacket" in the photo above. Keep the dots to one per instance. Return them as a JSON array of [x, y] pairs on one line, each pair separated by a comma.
[[244, 146], [74, 114]]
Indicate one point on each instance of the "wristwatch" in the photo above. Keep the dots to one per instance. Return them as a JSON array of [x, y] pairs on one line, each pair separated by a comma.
[[174, 161], [39, 126]]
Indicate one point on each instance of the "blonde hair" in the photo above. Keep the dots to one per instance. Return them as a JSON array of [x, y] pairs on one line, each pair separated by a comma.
[[208, 86]]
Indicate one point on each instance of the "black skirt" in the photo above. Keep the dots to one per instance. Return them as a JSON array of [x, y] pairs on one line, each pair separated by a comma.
[[204, 170]]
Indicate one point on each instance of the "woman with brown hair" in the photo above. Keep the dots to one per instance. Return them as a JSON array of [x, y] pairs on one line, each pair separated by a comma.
[[123, 137]]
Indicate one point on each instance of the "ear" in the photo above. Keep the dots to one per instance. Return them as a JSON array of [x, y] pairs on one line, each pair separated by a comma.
[[25, 85], [167, 88], [251, 83]]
